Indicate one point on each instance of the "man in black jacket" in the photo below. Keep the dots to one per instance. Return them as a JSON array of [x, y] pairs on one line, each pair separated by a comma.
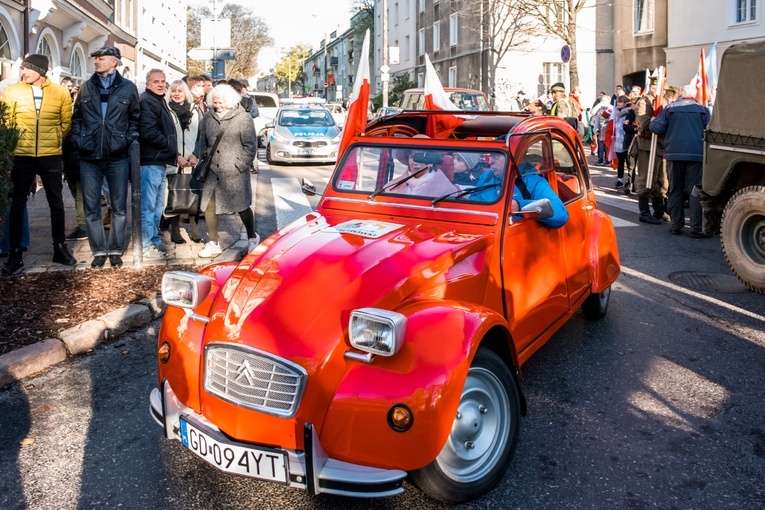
[[104, 124], [159, 149]]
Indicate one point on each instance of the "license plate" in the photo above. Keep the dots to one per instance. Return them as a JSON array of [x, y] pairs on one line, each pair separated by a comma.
[[261, 463], [305, 151]]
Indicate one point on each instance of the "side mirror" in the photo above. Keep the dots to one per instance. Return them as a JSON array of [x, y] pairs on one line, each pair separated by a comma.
[[538, 209], [308, 188], [270, 125]]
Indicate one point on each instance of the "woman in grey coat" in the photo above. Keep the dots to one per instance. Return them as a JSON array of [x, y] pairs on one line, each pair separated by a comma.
[[227, 189]]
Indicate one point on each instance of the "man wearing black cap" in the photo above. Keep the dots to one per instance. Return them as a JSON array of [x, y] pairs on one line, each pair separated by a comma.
[[42, 111], [104, 124]]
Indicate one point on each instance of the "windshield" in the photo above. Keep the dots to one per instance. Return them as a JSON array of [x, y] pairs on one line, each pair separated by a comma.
[[424, 173], [469, 101], [306, 118]]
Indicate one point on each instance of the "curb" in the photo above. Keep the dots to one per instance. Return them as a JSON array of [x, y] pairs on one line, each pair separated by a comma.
[[35, 358]]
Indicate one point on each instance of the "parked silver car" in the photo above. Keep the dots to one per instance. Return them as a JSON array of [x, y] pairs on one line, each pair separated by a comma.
[[303, 134]]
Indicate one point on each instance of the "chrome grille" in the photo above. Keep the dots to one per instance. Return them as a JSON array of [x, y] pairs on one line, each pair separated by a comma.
[[253, 379]]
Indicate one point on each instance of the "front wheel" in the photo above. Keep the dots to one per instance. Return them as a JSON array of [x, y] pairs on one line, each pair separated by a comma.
[[483, 436], [743, 236], [596, 305], [268, 155]]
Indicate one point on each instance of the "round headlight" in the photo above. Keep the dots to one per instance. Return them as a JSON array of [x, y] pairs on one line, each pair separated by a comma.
[[164, 352]]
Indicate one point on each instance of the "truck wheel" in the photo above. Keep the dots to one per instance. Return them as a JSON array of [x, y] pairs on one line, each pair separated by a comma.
[[596, 305], [483, 436], [743, 236]]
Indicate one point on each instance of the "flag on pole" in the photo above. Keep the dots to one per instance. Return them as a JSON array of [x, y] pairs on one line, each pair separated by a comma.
[[711, 65], [356, 119], [661, 85], [438, 126], [701, 82]]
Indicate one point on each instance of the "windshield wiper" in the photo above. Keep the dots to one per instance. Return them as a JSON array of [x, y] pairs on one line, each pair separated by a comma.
[[463, 192], [393, 184]]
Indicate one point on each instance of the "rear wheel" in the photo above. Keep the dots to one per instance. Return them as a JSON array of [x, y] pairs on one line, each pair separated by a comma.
[[743, 236], [483, 436], [596, 305]]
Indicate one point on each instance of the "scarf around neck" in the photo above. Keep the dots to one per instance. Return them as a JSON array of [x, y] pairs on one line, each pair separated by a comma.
[[183, 111]]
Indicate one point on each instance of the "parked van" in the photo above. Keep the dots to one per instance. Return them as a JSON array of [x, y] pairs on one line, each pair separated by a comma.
[[464, 99]]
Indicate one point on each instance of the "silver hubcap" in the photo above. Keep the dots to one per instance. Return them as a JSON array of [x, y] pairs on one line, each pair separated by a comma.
[[480, 429]]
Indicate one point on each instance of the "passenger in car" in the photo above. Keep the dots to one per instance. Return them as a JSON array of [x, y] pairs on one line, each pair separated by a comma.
[[428, 180], [530, 187], [467, 167]]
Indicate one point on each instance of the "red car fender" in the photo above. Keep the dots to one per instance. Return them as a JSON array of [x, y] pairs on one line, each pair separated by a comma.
[[605, 252], [428, 373], [184, 336]]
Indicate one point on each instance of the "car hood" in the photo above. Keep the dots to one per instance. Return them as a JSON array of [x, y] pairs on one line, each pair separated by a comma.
[[293, 295], [300, 132]]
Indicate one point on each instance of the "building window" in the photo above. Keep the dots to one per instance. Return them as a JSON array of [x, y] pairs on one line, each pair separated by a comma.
[[43, 48], [421, 42], [420, 79], [395, 14], [453, 29], [436, 35], [553, 73], [407, 48], [452, 77], [421, 5], [642, 16], [745, 11], [75, 68], [5, 44]]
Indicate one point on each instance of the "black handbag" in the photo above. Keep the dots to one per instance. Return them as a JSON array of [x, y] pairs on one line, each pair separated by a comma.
[[184, 193], [202, 168]]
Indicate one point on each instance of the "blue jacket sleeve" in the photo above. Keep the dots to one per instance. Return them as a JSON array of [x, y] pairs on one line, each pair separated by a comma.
[[659, 124], [539, 189]]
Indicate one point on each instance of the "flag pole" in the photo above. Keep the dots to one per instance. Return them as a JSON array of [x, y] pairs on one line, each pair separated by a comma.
[[651, 162]]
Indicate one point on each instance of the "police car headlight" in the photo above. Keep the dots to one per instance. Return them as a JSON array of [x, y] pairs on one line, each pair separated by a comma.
[[377, 331], [336, 139], [279, 138], [184, 289]]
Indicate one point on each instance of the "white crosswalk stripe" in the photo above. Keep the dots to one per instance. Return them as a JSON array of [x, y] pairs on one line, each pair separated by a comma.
[[620, 202]]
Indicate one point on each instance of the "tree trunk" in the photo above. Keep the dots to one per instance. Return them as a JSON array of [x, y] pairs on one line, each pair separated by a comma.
[[573, 68]]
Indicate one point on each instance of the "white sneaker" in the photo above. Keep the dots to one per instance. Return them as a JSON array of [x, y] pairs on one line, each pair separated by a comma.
[[210, 249], [253, 243], [152, 253]]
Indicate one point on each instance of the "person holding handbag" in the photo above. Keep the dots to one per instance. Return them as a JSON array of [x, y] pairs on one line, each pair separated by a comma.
[[187, 117], [228, 133]]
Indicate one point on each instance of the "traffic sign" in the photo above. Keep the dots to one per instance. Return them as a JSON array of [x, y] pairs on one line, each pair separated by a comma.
[[210, 54], [384, 68], [565, 53]]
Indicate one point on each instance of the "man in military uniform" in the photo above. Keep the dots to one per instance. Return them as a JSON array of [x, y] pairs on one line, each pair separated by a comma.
[[653, 193]]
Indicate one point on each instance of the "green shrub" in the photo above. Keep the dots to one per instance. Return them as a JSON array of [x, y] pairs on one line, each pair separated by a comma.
[[9, 136]]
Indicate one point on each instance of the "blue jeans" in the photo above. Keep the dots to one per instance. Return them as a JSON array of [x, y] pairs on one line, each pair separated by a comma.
[[601, 150], [5, 242], [153, 186], [92, 175]]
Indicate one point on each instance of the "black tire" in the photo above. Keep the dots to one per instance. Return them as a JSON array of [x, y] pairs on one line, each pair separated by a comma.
[[268, 155], [483, 436], [743, 236], [596, 305]]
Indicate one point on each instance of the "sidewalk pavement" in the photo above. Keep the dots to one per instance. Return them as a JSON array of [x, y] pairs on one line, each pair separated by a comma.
[[34, 358]]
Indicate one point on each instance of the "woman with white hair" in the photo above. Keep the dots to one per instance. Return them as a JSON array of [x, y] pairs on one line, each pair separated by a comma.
[[227, 187]]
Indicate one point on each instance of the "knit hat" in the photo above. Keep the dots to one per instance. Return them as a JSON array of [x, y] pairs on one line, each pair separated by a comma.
[[36, 63], [558, 87]]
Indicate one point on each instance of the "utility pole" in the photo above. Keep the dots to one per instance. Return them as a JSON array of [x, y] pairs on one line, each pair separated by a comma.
[[384, 68], [289, 76]]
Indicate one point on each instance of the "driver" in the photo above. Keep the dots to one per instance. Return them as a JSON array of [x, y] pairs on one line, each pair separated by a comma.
[[530, 187], [428, 180]]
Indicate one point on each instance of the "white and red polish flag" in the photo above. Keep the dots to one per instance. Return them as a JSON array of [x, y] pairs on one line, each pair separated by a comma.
[[438, 126], [356, 119], [701, 82]]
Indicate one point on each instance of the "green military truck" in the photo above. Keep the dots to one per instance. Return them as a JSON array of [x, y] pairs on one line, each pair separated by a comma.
[[733, 184]]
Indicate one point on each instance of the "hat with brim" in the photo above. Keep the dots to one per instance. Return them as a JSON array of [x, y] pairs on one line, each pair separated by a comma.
[[107, 51]]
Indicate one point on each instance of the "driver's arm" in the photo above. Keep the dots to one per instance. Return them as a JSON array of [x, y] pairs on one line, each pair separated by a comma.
[[539, 189]]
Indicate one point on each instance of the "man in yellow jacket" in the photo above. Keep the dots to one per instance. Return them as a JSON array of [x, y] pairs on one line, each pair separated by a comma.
[[43, 113]]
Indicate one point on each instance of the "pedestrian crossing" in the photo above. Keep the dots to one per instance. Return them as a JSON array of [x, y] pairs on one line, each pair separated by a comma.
[[290, 203]]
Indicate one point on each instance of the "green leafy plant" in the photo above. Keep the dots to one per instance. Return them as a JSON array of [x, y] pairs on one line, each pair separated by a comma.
[[9, 136], [398, 85]]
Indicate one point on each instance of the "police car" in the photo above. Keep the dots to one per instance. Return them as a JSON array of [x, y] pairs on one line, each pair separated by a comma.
[[303, 133]]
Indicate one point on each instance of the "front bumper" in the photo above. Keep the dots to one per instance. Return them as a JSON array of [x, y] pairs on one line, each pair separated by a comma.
[[311, 470], [288, 153]]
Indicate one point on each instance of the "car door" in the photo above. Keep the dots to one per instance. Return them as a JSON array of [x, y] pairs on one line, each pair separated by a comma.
[[533, 269], [570, 184]]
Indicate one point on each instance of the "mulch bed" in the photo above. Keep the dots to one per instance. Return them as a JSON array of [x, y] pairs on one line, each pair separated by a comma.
[[37, 306]]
